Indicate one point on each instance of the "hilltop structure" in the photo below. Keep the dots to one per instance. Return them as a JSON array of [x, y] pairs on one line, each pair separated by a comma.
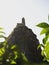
[[27, 42], [21, 24]]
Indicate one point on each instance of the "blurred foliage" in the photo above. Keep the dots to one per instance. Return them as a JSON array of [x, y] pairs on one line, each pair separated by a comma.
[[45, 44]]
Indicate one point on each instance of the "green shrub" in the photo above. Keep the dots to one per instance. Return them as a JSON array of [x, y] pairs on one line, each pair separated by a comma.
[[45, 44]]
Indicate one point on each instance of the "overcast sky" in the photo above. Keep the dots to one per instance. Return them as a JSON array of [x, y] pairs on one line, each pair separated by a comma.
[[34, 11]]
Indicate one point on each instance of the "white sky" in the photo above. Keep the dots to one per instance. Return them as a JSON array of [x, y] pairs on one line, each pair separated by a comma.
[[34, 11]]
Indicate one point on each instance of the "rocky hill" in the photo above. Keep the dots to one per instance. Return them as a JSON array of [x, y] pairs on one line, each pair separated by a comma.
[[27, 42]]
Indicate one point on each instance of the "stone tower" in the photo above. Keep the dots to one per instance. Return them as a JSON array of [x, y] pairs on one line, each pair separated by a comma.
[[21, 24], [23, 21]]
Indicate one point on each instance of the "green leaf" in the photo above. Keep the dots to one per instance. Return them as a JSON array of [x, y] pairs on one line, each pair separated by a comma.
[[24, 57], [1, 36], [14, 46], [13, 62], [44, 31], [46, 38], [47, 50], [47, 34], [43, 25], [2, 32], [1, 28], [40, 45], [2, 50], [42, 53]]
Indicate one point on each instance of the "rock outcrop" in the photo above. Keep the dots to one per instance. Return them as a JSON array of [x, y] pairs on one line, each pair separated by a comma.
[[27, 42]]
